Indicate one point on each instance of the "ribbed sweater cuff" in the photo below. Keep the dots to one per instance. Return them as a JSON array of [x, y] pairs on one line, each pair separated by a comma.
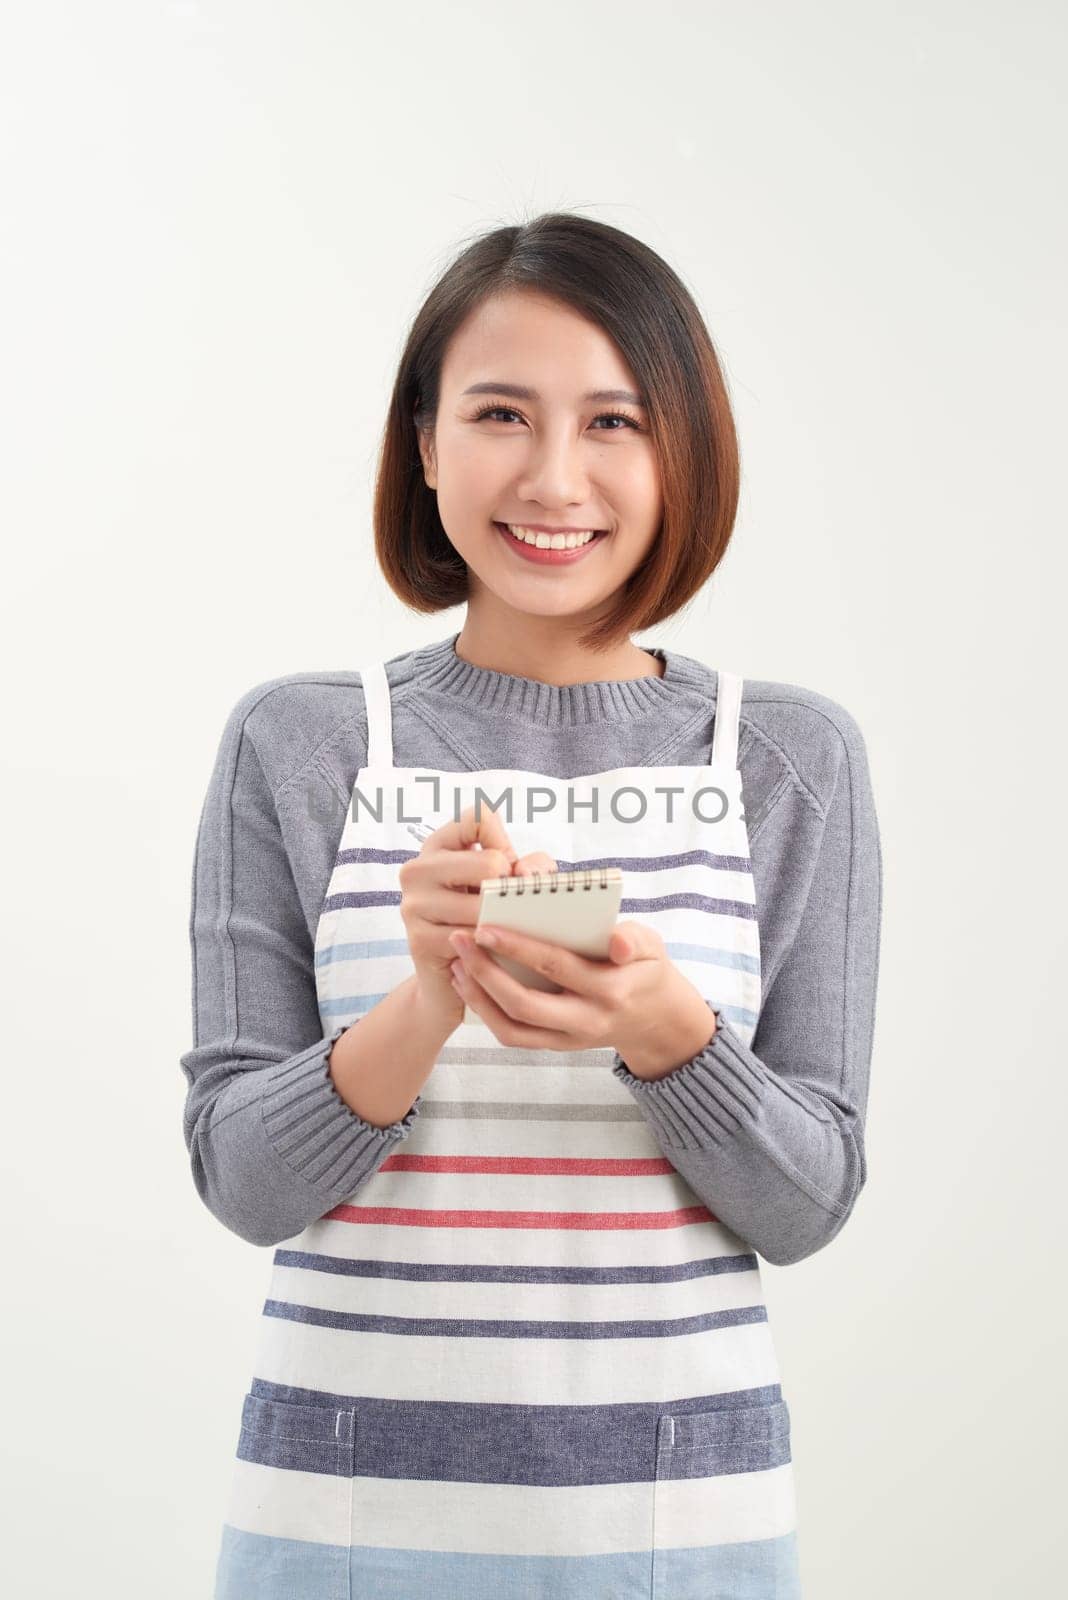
[[315, 1131], [706, 1099]]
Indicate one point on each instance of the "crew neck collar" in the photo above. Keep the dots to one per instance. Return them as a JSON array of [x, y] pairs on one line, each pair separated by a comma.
[[442, 671]]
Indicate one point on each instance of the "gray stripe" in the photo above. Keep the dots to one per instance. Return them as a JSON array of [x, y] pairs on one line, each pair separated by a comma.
[[521, 1111], [502, 1055]]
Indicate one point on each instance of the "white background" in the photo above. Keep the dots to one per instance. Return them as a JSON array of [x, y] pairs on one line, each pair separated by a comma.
[[216, 223]]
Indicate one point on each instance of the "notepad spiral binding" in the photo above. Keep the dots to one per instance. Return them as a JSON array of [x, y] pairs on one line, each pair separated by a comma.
[[552, 882]]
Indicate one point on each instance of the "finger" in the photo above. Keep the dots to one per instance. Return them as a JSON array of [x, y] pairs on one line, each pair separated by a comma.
[[508, 1028], [469, 868], [452, 908], [485, 829], [579, 974], [537, 861]]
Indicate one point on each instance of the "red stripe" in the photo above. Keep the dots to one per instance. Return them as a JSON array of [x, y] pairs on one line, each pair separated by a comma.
[[593, 1221], [548, 1166]]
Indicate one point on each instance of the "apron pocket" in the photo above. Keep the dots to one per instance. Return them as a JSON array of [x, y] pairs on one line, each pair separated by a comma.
[[724, 1513], [288, 1526]]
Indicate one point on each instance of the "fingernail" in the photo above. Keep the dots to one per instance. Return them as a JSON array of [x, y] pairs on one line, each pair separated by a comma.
[[485, 936]]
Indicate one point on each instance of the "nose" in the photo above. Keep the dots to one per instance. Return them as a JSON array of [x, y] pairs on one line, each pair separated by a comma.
[[555, 473]]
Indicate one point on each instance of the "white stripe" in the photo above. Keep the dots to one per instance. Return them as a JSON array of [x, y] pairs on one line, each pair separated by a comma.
[[534, 1372], [513, 1519], [379, 714], [719, 883], [534, 1083], [518, 1302], [724, 1509], [471, 1518], [728, 709], [290, 1504], [520, 1247]]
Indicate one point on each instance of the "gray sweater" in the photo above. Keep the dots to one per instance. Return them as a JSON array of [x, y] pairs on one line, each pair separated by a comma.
[[770, 1138]]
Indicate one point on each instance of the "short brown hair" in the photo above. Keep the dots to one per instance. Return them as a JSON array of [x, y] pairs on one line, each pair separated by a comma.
[[620, 283]]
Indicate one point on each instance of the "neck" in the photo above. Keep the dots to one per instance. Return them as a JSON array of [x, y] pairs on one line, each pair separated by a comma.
[[547, 649]]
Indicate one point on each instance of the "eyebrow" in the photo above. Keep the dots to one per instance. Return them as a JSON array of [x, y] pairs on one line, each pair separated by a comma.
[[520, 391]]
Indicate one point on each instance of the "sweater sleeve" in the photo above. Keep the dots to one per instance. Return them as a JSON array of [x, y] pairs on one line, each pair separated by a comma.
[[273, 1146], [771, 1138]]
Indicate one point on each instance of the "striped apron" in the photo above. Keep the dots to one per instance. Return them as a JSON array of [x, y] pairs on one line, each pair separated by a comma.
[[523, 1360]]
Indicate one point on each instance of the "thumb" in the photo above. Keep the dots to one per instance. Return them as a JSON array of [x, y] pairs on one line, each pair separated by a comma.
[[632, 940]]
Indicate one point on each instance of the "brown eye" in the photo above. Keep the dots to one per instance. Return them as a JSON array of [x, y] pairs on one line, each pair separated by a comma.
[[603, 416]]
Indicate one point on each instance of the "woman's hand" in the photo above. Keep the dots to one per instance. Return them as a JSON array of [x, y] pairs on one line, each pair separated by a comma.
[[440, 892], [637, 1002]]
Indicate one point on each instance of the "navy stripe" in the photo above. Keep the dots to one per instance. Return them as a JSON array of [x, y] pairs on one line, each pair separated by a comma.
[[687, 858], [743, 1430], [471, 1272], [512, 1328], [662, 902]]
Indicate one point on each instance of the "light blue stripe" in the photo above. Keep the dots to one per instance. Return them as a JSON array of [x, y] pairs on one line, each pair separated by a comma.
[[256, 1564], [752, 1570], [365, 950], [357, 1005], [369, 949], [740, 960], [295, 1569]]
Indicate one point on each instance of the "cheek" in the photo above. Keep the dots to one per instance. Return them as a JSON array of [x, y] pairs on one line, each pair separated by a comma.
[[643, 485], [470, 466], [630, 482], [469, 495], [639, 501]]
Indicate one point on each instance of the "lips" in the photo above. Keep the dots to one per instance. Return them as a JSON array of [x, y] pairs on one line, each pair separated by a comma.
[[546, 555]]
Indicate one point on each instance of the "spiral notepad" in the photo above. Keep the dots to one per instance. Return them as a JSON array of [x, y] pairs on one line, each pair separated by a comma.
[[575, 909]]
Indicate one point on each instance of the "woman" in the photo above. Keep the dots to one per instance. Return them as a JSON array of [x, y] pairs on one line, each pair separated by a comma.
[[515, 1342]]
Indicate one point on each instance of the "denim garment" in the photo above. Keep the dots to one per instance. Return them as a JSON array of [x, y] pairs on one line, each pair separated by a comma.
[[524, 1360]]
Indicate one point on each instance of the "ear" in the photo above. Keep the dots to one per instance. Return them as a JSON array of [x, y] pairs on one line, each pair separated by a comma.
[[426, 451]]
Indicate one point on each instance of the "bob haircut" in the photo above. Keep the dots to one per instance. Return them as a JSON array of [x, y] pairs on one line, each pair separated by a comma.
[[621, 284]]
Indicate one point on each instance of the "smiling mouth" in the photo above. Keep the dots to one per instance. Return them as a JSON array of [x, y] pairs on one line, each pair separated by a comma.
[[547, 556], [535, 539]]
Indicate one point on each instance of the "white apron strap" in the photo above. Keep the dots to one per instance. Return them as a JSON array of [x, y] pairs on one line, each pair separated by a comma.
[[379, 715], [728, 710]]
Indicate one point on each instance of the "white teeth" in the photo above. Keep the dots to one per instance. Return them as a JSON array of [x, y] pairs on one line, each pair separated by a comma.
[[549, 541]]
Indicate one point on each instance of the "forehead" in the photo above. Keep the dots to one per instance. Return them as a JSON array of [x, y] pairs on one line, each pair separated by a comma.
[[521, 340]]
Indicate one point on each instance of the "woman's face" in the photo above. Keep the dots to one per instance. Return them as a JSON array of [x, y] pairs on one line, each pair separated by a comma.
[[551, 456]]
